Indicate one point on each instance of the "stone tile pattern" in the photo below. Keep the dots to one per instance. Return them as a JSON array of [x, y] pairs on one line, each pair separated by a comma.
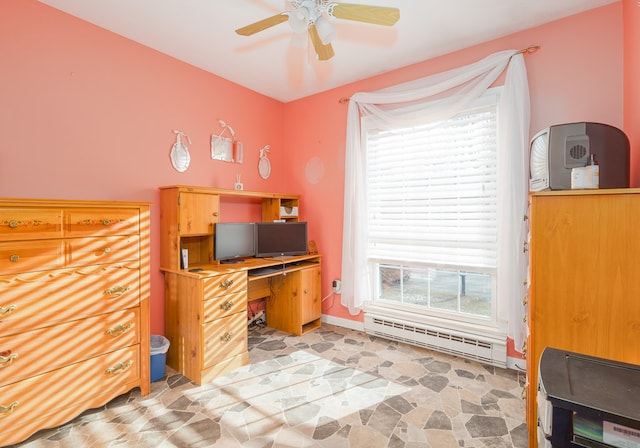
[[333, 387]]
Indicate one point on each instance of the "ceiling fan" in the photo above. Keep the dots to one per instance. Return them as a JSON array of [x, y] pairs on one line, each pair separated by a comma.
[[310, 16]]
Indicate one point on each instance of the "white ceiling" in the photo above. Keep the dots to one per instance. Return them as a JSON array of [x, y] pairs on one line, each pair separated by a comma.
[[277, 64]]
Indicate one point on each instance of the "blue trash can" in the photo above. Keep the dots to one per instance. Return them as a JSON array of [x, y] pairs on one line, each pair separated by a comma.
[[158, 349]]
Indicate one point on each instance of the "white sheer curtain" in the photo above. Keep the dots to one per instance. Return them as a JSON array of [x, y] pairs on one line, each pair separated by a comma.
[[435, 98]]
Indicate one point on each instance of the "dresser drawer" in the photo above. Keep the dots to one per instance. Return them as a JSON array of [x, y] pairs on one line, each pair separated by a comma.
[[30, 223], [61, 394], [32, 300], [225, 284], [226, 305], [224, 338], [112, 249], [26, 256], [31, 353], [100, 222]]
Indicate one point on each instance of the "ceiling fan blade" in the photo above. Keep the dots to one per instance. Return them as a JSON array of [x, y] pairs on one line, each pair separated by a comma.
[[378, 15], [262, 25], [324, 52]]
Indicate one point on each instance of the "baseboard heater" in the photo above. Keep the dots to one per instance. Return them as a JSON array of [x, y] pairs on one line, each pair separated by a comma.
[[466, 345]]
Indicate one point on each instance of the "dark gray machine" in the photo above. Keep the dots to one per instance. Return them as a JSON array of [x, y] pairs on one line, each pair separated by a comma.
[[558, 149], [585, 401]]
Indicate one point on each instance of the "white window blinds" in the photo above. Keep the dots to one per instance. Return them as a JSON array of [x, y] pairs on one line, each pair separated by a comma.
[[432, 192]]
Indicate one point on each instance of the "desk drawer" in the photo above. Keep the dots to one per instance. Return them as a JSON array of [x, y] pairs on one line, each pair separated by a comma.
[[34, 352], [224, 338], [33, 300], [226, 305], [225, 284]]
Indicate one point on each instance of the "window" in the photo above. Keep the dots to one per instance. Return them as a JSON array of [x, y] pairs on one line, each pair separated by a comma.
[[432, 205]]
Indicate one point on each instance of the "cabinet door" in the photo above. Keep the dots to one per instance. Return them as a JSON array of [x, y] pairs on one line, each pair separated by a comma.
[[584, 280], [198, 213], [310, 285]]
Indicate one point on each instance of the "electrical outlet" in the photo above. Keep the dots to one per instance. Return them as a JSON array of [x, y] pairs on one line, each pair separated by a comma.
[[337, 286]]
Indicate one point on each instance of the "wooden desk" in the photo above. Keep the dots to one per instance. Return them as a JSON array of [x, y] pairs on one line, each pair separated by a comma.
[[206, 311]]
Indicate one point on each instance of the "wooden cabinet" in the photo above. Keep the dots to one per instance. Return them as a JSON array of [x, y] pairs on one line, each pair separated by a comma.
[[310, 280], [74, 304], [187, 219], [198, 213], [283, 207], [188, 215], [206, 311], [206, 323], [295, 306], [585, 282]]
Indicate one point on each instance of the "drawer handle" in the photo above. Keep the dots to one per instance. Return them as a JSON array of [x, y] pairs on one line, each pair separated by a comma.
[[6, 360], [7, 309], [226, 306], [6, 410], [13, 258], [118, 329], [106, 250], [226, 284], [116, 290], [226, 337], [118, 368], [106, 222], [13, 224]]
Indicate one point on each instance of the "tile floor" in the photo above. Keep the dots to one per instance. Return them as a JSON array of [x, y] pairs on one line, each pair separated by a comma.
[[333, 387]]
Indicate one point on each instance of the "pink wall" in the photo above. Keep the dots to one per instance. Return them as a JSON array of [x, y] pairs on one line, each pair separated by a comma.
[[576, 76], [631, 10], [87, 114]]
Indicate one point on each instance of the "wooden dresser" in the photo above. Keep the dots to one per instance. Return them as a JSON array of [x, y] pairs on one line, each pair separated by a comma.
[[74, 309], [585, 279]]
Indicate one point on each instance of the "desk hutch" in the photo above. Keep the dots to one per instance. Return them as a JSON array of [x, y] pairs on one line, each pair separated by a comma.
[[206, 311]]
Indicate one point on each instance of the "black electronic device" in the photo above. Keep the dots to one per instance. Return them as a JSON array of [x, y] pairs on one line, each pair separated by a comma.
[[280, 239], [585, 401], [234, 241]]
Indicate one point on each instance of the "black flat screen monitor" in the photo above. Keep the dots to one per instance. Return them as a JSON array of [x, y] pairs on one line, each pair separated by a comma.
[[234, 241], [281, 239]]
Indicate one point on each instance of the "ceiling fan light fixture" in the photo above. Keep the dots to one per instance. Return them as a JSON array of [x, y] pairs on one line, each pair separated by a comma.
[[310, 17], [326, 32], [299, 20]]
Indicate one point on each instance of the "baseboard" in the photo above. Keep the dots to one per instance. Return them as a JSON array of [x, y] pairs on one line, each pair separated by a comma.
[[341, 322], [512, 363], [516, 364]]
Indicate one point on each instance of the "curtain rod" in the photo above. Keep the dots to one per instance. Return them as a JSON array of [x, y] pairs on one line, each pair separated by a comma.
[[530, 49]]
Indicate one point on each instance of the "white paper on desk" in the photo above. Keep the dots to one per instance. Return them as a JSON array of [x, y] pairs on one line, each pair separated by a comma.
[[620, 436]]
